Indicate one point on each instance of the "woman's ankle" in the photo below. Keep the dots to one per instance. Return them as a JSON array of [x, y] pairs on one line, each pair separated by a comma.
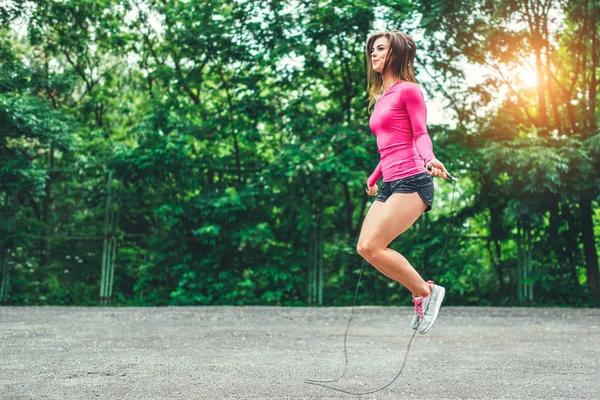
[[426, 291]]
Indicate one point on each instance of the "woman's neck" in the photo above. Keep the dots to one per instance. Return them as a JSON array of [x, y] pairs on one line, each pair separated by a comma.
[[388, 81]]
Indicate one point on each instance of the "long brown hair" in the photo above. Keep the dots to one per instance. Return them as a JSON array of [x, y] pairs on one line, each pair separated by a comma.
[[400, 58]]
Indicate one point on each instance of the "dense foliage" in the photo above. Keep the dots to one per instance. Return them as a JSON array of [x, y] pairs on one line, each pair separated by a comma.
[[212, 152]]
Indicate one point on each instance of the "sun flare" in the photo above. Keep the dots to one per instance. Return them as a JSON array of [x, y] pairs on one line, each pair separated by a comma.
[[526, 76]]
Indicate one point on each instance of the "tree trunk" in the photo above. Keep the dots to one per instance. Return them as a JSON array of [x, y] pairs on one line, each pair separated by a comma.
[[585, 204], [520, 274], [589, 246], [496, 235], [542, 112], [593, 122], [46, 206], [5, 229], [315, 263], [529, 285]]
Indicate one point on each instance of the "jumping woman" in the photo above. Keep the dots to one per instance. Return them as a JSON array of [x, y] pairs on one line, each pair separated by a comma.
[[407, 165]]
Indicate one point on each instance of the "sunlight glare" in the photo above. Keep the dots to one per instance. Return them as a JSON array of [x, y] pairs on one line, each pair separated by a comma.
[[526, 76]]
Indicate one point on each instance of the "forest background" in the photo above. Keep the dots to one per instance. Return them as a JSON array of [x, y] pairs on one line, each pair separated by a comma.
[[210, 152]]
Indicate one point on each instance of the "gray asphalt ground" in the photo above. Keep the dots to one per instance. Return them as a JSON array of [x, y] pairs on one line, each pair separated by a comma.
[[267, 352]]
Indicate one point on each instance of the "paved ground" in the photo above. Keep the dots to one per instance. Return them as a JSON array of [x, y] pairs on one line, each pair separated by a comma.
[[267, 352]]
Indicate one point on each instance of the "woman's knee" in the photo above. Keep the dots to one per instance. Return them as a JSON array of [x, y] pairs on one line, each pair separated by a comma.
[[368, 250]]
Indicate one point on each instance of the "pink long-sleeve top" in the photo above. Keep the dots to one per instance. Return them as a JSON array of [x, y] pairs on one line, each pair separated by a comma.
[[399, 122]]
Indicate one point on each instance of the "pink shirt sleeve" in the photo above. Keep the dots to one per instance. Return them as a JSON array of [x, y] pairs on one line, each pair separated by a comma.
[[375, 175], [417, 113]]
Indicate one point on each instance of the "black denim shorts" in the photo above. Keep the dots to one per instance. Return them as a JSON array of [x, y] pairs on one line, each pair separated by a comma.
[[422, 183]]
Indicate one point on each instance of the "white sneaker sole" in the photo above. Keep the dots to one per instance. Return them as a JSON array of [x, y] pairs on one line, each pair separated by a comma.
[[436, 310]]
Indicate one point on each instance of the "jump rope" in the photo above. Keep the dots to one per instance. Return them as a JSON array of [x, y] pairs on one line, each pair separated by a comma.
[[321, 382]]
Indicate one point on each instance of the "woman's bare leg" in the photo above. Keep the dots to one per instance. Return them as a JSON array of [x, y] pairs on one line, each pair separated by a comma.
[[383, 223]]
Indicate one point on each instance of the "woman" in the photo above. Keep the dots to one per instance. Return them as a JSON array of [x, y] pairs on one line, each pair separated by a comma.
[[407, 164]]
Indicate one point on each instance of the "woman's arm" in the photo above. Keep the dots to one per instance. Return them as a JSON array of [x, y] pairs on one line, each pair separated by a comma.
[[417, 114], [375, 176]]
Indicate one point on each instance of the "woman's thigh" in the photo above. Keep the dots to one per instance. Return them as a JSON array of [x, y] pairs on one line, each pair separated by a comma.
[[386, 221]]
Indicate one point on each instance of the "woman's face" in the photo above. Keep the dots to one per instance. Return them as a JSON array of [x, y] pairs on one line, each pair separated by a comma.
[[379, 53]]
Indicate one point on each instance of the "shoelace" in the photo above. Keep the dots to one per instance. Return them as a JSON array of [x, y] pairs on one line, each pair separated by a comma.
[[418, 301]]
